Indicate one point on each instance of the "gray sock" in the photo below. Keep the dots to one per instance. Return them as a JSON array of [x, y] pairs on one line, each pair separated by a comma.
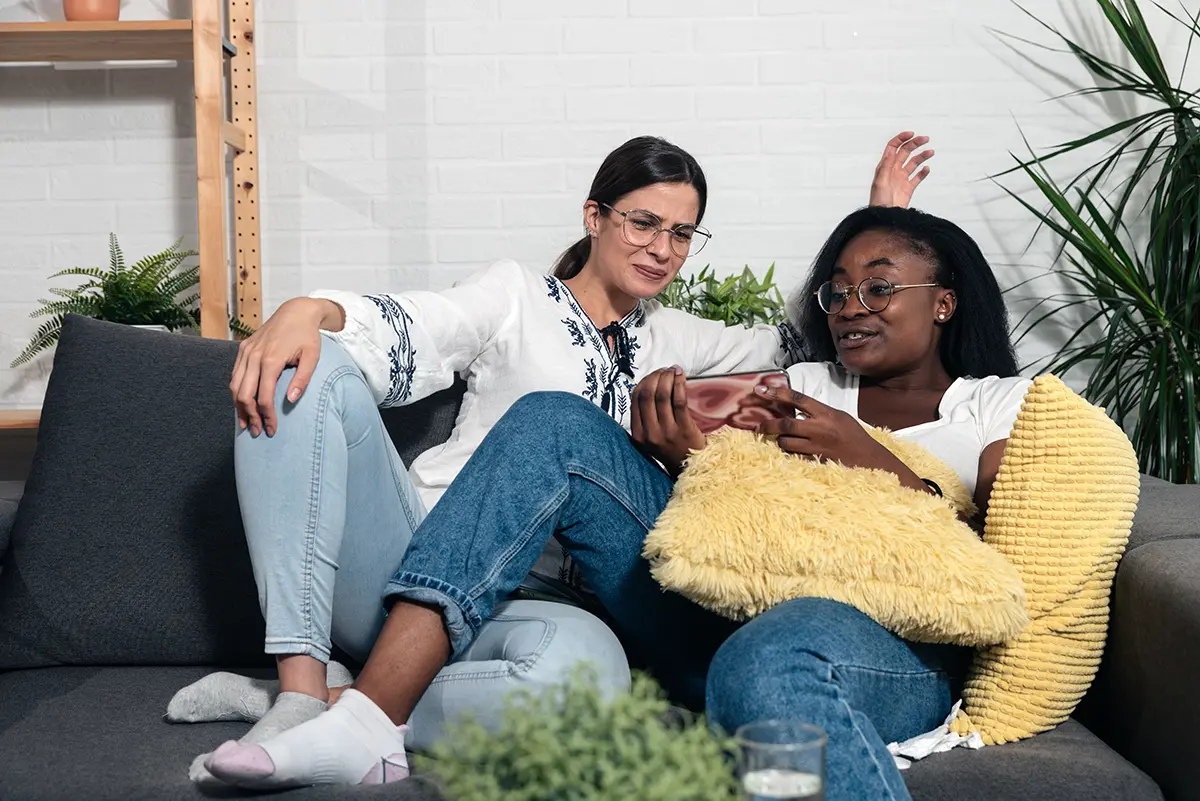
[[230, 697], [290, 709]]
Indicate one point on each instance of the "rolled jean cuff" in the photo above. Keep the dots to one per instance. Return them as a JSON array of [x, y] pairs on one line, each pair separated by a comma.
[[459, 614], [282, 646]]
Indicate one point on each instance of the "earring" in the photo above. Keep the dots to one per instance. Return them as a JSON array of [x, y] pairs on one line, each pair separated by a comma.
[[942, 316]]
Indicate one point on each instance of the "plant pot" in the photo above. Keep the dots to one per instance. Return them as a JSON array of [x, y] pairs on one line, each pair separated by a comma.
[[92, 10]]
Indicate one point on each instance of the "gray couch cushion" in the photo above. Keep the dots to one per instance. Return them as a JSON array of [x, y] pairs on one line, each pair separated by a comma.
[[129, 548], [97, 733], [1066, 764], [1146, 690]]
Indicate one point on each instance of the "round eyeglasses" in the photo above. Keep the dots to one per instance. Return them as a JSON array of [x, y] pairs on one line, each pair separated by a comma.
[[640, 228], [873, 293]]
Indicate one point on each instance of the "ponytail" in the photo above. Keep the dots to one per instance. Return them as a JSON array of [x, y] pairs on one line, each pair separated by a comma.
[[572, 260]]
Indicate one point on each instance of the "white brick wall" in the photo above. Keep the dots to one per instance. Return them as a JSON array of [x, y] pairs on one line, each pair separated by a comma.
[[405, 144]]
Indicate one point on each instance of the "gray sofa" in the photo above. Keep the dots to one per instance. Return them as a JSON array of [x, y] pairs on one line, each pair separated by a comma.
[[127, 576]]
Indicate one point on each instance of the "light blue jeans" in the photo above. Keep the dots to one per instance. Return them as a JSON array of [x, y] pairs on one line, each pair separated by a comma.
[[329, 511]]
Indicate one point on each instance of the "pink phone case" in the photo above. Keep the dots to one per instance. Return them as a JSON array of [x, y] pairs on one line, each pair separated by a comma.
[[730, 400]]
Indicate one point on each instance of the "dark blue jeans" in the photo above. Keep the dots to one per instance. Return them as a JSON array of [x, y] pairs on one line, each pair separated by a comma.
[[556, 466]]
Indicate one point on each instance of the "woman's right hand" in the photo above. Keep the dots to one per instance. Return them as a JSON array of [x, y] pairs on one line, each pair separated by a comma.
[[661, 425], [291, 337]]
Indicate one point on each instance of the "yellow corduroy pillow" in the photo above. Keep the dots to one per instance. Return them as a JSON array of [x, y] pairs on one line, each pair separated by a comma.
[[749, 527], [1060, 511]]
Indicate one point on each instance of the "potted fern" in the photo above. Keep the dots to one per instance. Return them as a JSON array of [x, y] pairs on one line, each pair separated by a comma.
[[572, 743], [740, 299], [1130, 231], [157, 291]]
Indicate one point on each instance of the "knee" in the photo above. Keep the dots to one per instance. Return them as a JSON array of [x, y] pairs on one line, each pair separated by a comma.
[[787, 652], [551, 413], [573, 640], [335, 376]]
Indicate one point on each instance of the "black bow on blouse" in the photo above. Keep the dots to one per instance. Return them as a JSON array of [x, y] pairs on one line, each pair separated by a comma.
[[615, 332]]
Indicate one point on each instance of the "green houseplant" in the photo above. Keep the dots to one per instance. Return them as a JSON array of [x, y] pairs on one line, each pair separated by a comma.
[[740, 299], [570, 744], [156, 290], [1130, 230]]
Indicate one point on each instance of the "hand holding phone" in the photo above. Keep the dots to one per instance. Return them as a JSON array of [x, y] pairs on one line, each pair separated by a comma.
[[730, 400]]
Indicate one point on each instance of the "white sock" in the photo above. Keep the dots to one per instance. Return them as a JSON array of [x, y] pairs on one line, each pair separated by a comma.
[[354, 742], [289, 710]]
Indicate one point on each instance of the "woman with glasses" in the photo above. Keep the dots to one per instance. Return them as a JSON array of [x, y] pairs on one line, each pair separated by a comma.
[[909, 331], [328, 506]]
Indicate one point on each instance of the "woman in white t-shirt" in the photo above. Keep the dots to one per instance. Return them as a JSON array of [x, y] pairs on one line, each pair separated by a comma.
[[329, 507], [910, 332]]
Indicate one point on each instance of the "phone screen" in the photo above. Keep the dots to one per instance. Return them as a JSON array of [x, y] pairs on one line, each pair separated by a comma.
[[716, 401]]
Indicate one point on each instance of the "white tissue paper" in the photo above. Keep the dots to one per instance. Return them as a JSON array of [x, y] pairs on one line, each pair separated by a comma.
[[933, 742]]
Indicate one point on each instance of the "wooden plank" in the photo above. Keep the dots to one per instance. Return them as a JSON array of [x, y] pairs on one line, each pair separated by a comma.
[[233, 136], [246, 223], [208, 71], [20, 419], [135, 40]]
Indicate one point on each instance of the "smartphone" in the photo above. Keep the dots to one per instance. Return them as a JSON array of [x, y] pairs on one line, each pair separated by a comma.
[[715, 401]]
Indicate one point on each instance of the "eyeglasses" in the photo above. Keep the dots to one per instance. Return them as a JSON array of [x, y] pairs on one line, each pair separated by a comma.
[[640, 228], [873, 293]]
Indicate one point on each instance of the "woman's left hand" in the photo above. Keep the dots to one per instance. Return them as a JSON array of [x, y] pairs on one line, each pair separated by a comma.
[[899, 171], [827, 433]]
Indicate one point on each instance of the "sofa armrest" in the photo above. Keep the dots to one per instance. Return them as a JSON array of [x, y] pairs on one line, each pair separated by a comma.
[[8, 516], [1145, 702]]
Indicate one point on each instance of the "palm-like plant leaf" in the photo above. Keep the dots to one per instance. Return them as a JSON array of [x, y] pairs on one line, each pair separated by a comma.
[[1145, 369]]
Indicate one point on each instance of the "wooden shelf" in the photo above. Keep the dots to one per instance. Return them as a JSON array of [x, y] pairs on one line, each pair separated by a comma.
[[20, 419], [134, 40]]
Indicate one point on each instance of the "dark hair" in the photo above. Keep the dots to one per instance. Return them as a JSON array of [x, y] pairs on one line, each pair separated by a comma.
[[975, 341], [640, 162]]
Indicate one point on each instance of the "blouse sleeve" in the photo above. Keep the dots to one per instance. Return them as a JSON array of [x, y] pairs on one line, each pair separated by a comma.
[[1000, 407], [410, 345], [732, 349]]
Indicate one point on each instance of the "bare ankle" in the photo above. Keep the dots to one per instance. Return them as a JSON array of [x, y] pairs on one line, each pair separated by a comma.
[[300, 673]]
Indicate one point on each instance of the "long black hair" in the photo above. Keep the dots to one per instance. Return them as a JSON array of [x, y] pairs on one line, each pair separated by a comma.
[[639, 162], [975, 340]]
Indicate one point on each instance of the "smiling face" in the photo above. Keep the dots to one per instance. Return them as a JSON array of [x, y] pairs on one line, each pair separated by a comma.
[[905, 335], [640, 272]]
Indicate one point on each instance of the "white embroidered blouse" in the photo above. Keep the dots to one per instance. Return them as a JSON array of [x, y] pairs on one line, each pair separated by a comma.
[[509, 331]]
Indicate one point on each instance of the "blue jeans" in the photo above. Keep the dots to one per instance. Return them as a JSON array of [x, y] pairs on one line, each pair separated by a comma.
[[329, 510], [556, 466]]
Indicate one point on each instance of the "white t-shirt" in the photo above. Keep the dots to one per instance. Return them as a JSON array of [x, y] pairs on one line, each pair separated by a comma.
[[974, 412]]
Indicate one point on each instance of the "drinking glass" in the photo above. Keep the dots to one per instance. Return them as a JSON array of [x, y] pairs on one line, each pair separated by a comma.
[[781, 760]]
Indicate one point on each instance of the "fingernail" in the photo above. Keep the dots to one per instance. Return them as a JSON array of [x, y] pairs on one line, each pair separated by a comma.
[[761, 389], [678, 370], [293, 394]]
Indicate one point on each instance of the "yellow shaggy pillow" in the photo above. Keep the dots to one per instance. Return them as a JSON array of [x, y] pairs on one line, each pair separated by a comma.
[[1061, 510], [749, 527]]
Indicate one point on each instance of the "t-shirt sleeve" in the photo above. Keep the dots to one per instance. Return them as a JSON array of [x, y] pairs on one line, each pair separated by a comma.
[[410, 345], [999, 407]]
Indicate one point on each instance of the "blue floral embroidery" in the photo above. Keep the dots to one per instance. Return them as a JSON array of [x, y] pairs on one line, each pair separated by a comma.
[[592, 387], [793, 345], [553, 285], [403, 355], [575, 331], [605, 384]]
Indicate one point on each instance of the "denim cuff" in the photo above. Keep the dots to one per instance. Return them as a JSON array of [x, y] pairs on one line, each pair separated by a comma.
[[459, 614]]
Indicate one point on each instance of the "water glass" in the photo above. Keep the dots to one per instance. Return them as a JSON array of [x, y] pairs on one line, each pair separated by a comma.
[[781, 760]]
